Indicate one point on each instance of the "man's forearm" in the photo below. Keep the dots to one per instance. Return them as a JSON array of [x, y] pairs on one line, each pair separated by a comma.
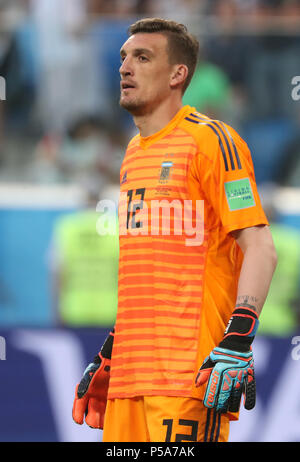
[[255, 278], [258, 266]]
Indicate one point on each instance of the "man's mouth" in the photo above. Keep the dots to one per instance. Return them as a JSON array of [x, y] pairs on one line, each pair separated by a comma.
[[126, 85]]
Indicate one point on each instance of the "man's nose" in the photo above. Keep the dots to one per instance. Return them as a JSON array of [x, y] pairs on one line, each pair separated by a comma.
[[125, 68]]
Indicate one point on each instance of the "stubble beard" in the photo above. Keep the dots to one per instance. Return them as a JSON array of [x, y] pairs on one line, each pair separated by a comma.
[[134, 107]]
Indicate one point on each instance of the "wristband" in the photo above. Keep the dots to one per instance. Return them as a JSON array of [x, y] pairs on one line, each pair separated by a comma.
[[241, 329]]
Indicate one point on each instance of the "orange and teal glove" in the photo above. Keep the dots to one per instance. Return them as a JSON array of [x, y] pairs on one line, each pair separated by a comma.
[[229, 369], [91, 393]]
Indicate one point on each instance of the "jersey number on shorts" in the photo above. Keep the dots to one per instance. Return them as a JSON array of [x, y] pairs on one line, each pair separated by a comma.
[[193, 424]]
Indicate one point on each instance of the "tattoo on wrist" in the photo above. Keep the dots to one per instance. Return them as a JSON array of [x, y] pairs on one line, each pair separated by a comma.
[[247, 300]]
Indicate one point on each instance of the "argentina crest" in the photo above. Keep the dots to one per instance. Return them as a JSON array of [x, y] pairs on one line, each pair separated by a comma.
[[165, 172]]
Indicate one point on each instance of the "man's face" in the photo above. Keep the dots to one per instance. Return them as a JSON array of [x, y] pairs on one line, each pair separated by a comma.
[[145, 73]]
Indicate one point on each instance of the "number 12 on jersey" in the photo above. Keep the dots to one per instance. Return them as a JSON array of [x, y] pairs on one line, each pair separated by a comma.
[[135, 199]]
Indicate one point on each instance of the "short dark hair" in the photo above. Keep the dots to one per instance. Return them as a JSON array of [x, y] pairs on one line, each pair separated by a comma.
[[183, 47]]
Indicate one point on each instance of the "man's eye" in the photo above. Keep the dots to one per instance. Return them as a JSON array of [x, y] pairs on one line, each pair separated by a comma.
[[143, 58]]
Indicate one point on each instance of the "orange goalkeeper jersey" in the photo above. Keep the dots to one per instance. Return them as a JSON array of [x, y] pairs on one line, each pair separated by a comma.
[[183, 190]]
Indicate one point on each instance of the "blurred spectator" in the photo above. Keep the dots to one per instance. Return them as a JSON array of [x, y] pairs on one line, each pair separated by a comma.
[[225, 45], [108, 31], [268, 140], [257, 44], [18, 65], [85, 153], [209, 90], [259, 49], [183, 11], [145, 8], [84, 268], [68, 85], [289, 171], [227, 48], [113, 8], [273, 60], [281, 313]]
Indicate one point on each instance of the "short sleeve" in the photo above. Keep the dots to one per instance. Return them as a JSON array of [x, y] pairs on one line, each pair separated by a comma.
[[224, 171]]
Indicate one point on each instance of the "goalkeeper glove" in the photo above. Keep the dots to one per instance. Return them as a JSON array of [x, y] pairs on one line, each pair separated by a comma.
[[91, 392], [229, 369]]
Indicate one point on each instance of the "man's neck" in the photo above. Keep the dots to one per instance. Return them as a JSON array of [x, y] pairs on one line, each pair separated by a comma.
[[156, 120]]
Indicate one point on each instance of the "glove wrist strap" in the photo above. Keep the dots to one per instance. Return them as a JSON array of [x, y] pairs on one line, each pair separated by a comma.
[[241, 329], [106, 349]]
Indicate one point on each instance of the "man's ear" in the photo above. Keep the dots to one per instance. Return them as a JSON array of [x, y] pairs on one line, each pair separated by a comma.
[[179, 75]]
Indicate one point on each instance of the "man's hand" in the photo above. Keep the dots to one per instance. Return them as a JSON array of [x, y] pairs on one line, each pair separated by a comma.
[[229, 369], [229, 374], [91, 393]]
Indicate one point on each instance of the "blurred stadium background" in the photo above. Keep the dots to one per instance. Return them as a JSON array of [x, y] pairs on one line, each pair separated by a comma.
[[62, 139]]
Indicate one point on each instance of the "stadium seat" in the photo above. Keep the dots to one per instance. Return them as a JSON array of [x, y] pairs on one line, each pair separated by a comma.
[[267, 141]]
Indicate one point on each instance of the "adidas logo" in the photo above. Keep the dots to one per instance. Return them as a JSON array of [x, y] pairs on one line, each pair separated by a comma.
[[124, 179]]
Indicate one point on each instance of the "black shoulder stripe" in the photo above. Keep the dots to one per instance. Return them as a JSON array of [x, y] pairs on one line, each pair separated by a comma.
[[221, 146], [226, 136], [193, 114], [216, 124], [191, 120], [206, 122], [227, 144], [234, 147]]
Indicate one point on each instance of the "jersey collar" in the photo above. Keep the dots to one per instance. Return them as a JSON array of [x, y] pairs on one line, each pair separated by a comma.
[[149, 140]]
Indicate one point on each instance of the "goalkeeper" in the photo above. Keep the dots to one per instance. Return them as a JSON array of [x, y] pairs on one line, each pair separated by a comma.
[[179, 361]]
